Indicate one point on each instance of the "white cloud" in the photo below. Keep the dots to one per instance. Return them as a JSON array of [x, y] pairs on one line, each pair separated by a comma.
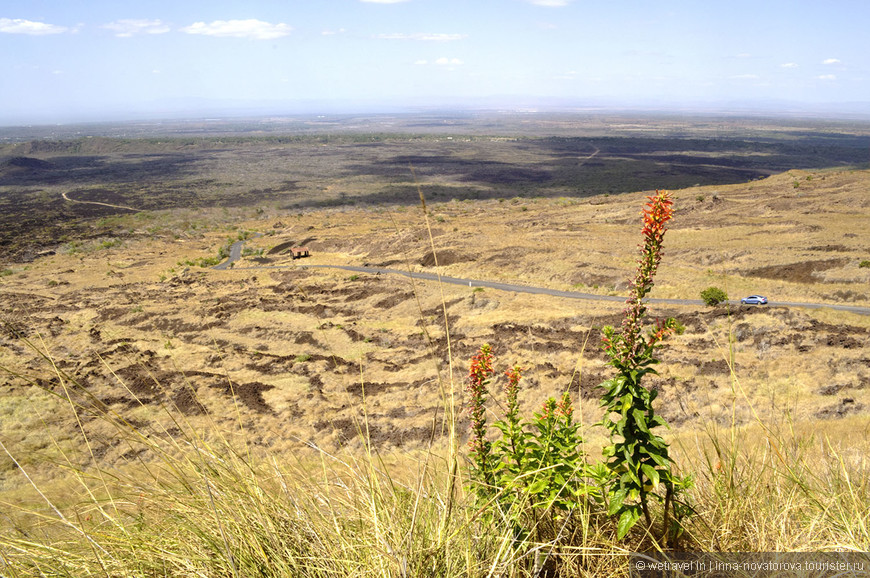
[[831, 61], [256, 29], [421, 62], [422, 36], [18, 26], [132, 27], [789, 65], [550, 3], [444, 61], [828, 77], [333, 32]]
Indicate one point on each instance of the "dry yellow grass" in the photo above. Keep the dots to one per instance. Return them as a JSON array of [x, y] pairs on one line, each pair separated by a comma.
[[255, 327], [268, 362]]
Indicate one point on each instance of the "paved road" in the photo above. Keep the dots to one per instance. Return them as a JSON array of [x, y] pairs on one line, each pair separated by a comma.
[[235, 255], [236, 251]]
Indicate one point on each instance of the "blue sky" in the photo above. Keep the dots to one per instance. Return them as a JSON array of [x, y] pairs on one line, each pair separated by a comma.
[[64, 60]]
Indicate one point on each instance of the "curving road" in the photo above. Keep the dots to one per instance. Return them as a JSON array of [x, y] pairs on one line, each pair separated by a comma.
[[235, 255], [236, 251]]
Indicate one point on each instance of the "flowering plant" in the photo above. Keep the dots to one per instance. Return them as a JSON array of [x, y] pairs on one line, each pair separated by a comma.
[[638, 458], [538, 469], [478, 379], [536, 463]]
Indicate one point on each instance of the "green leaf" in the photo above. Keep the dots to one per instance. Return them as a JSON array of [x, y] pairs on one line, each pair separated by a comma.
[[616, 385], [657, 457], [658, 420], [626, 403], [537, 487], [616, 500], [628, 479], [651, 473], [626, 521], [640, 420]]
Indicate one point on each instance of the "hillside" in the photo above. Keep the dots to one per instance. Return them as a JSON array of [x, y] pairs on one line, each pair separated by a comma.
[[304, 407], [297, 344]]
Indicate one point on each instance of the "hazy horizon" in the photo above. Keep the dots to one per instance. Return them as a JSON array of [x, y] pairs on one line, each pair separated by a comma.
[[215, 109]]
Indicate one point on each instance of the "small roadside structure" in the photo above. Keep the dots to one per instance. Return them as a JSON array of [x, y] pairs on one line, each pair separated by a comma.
[[300, 252]]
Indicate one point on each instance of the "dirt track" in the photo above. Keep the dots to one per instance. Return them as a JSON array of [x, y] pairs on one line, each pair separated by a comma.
[[66, 198]]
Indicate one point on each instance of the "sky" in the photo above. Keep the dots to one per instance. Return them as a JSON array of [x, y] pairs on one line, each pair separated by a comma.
[[86, 60]]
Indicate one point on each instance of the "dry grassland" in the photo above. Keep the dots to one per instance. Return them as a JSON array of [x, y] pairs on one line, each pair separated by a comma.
[[298, 354], [216, 422]]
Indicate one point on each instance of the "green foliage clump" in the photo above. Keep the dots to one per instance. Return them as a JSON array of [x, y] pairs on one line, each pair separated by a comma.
[[865, 264], [110, 243], [203, 262], [713, 296], [537, 473]]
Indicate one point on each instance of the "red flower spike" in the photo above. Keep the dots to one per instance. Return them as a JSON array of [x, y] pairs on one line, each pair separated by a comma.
[[656, 215], [478, 378]]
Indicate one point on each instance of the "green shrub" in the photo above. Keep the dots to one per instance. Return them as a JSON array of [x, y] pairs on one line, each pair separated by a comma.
[[204, 262], [110, 243], [865, 264], [713, 296]]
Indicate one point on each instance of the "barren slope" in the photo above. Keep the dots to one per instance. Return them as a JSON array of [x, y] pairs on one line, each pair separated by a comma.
[[300, 355]]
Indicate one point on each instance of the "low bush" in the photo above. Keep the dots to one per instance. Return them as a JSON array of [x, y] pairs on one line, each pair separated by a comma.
[[713, 296]]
